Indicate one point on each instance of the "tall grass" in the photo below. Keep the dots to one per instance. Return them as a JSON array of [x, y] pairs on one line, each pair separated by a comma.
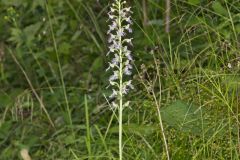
[[58, 79]]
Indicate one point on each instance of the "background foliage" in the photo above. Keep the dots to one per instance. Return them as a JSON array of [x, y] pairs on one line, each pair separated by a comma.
[[53, 80]]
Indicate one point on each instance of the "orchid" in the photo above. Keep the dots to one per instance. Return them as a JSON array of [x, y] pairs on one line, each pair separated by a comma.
[[119, 42]]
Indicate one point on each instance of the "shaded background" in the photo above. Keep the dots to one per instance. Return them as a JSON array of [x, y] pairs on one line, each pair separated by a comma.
[[52, 67]]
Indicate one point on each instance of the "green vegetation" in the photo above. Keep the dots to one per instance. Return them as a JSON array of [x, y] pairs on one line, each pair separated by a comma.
[[54, 102]]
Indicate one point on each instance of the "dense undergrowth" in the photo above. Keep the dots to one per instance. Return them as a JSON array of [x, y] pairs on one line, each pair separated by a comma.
[[53, 81]]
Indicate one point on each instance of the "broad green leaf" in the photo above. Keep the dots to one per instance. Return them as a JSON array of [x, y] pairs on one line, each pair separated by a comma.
[[30, 33], [184, 117], [192, 119], [219, 9], [33, 28]]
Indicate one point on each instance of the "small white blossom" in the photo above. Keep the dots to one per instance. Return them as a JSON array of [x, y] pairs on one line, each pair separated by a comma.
[[112, 27], [114, 94], [115, 60], [111, 48], [112, 10], [127, 71], [128, 40], [128, 9], [121, 33], [125, 89], [129, 84], [126, 104], [111, 38], [128, 28], [128, 55], [111, 16], [128, 20], [229, 65], [115, 76], [114, 105]]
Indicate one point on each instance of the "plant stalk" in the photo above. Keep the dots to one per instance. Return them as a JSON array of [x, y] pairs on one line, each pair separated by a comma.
[[120, 110]]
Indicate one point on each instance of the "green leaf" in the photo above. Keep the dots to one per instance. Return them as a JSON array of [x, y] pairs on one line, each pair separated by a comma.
[[5, 129], [69, 139], [16, 36], [97, 64], [5, 100], [192, 119], [30, 32], [184, 117], [237, 27], [194, 2], [64, 48], [219, 9]]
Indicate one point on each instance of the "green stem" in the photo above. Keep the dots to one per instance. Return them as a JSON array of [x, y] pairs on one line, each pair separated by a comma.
[[120, 83]]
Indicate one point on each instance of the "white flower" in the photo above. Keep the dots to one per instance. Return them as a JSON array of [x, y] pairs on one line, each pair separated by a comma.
[[111, 38], [123, 13], [127, 64], [115, 60], [128, 55], [128, 28], [125, 89], [111, 48], [126, 104], [129, 84], [129, 41], [112, 10], [112, 27], [114, 94], [128, 20], [111, 16], [128, 9], [121, 33], [127, 71], [229, 65], [114, 105]]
